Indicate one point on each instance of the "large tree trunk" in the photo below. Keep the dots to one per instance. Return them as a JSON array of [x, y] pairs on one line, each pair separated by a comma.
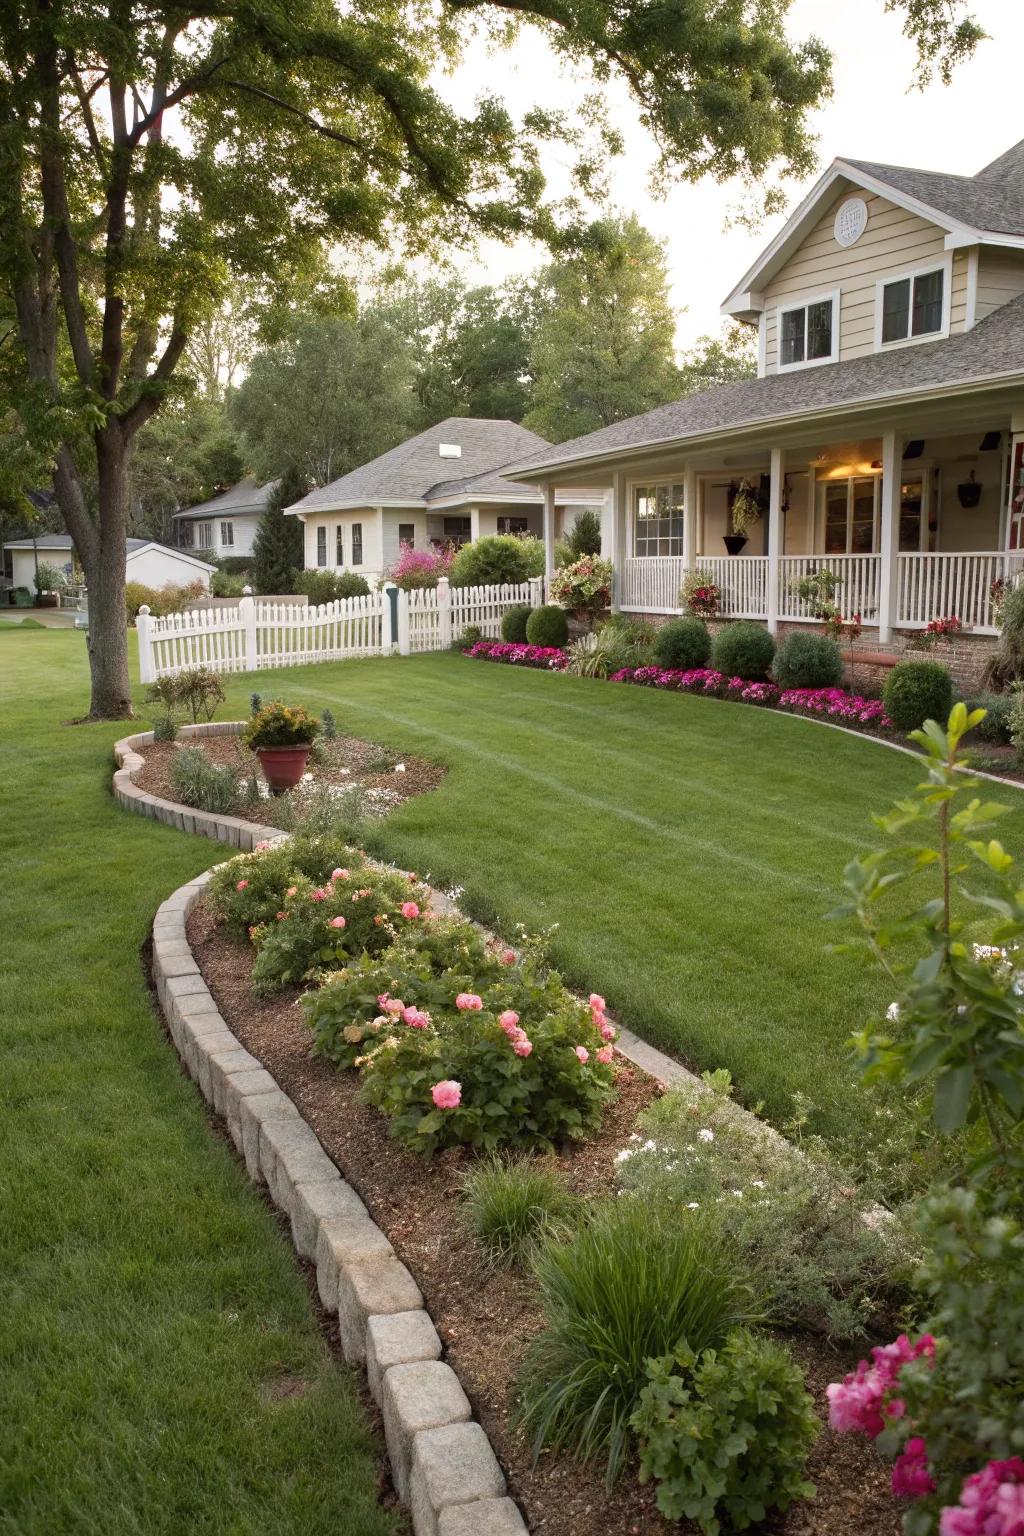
[[105, 575]]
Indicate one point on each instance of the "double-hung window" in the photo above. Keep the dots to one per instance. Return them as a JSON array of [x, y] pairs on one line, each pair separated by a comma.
[[809, 332], [357, 543], [407, 534], [339, 550], [658, 519], [914, 307], [204, 535], [227, 535], [321, 544]]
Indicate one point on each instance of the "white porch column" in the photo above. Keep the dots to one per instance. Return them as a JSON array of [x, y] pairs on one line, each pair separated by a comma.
[[617, 552], [778, 474], [474, 524], [889, 535], [689, 518], [549, 531]]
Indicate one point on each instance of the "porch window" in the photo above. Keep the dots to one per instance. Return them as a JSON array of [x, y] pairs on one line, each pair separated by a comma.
[[808, 333], [513, 525], [658, 520], [458, 530], [918, 529], [339, 551], [321, 544], [913, 306], [227, 535], [850, 516], [407, 534], [357, 543], [204, 535]]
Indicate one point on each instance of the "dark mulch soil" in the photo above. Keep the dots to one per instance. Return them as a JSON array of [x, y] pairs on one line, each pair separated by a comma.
[[388, 776], [487, 1317]]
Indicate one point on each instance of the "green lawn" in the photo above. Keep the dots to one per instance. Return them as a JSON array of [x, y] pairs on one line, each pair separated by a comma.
[[685, 848], [148, 1301]]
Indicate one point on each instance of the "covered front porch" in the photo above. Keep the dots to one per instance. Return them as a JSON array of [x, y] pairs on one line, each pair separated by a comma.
[[917, 521], [913, 530]]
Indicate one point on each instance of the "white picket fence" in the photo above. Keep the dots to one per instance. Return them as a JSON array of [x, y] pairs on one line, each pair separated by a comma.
[[258, 634]]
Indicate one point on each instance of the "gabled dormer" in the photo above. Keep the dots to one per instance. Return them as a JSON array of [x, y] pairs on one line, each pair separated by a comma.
[[881, 257]]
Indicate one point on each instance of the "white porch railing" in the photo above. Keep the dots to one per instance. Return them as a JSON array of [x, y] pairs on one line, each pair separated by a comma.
[[945, 585], [928, 586], [742, 581], [650, 583], [858, 577]]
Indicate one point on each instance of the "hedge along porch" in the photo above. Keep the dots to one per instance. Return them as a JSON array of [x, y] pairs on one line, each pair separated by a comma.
[[255, 634]]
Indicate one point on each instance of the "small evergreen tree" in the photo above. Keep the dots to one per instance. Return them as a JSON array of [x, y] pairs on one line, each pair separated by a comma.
[[277, 552], [584, 537]]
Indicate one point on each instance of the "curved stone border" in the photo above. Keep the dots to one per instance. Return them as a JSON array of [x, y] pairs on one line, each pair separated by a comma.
[[442, 1463], [232, 830]]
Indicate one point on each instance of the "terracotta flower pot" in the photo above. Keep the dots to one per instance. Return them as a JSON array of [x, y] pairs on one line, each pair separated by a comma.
[[283, 767]]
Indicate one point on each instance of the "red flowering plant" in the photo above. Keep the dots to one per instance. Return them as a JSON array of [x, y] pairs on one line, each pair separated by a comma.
[[249, 890], [700, 596], [937, 631]]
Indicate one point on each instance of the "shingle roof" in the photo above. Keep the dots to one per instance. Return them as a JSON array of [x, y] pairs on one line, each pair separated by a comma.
[[413, 471], [491, 483], [247, 496], [994, 347], [63, 542], [993, 200]]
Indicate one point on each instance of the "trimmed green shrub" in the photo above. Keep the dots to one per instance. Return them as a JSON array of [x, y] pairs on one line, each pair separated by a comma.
[[200, 783], [996, 727], [509, 1205], [496, 560], [682, 643], [807, 661], [165, 728], [250, 888], [351, 584], [513, 624], [547, 626], [726, 1434], [744, 649], [318, 586], [916, 691], [227, 584], [629, 1287]]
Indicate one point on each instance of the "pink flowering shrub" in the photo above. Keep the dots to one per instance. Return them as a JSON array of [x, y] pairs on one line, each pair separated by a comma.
[[866, 1400], [309, 938], [991, 1503], [249, 890], [418, 568]]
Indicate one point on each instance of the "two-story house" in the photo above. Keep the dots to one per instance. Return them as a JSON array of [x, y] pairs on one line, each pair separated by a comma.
[[883, 435]]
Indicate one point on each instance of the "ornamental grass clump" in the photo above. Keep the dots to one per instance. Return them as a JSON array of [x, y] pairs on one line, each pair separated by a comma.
[[630, 1286], [198, 782], [509, 1205]]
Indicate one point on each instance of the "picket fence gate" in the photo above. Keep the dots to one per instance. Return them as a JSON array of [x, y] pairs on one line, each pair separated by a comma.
[[258, 634]]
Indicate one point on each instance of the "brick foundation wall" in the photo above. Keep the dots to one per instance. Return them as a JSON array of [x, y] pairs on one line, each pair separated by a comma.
[[966, 657]]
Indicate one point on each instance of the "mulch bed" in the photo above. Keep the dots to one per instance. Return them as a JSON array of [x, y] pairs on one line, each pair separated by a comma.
[[387, 777], [486, 1317]]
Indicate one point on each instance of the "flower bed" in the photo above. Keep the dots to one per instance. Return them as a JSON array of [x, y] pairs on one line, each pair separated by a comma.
[[834, 703]]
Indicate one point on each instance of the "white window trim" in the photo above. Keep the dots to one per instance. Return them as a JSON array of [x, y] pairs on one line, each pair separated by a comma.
[[943, 264], [227, 535], [652, 482], [803, 301]]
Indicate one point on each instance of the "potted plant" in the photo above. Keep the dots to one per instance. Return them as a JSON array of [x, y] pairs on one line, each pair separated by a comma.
[[700, 595], [583, 588], [281, 736], [744, 512], [968, 492]]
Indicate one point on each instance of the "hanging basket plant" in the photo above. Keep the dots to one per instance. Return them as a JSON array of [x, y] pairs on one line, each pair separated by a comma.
[[968, 492], [744, 512]]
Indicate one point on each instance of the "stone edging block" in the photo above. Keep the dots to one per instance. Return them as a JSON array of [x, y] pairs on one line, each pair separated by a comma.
[[442, 1462]]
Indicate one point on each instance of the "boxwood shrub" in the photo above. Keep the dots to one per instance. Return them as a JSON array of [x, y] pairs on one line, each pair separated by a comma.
[[916, 691], [513, 625], [547, 626], [743, 649], [682, 644], [808, 661]]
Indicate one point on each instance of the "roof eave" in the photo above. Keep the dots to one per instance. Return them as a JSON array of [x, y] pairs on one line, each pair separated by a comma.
[[789, 418], [362, 504]]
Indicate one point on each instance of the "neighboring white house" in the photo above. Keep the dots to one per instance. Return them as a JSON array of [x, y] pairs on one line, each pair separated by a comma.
[[146, 561], [883, 435], [443, 486], [227, 523]]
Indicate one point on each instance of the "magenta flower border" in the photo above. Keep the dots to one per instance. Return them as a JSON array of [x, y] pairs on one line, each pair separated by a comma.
[[849, 709]]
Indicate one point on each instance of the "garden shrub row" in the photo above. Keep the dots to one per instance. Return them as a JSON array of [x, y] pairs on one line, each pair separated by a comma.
[[545, 626]]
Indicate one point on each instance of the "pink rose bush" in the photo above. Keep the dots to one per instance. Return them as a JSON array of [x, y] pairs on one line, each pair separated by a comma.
[[250, 889], [447, 1095], [991, 1503], [867, 1399], [911, 1477]]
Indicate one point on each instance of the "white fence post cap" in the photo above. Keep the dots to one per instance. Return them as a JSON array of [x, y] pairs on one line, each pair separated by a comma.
[[144, 608], [247, 591]]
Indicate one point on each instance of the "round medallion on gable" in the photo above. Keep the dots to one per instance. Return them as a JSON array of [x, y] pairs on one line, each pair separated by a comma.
[[851, 221]]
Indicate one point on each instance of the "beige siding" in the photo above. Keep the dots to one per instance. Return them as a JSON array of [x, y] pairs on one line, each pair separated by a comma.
[[369, 519], [893, 242], [1000, 279]]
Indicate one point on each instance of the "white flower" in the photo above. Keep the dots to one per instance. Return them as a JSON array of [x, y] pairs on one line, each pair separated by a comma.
[[650, 1146], [399, 767], [621, 1157], [694, 1205], [989, 952], [892, 1013], [738, 1193], [757, 1183], [706, 1135]]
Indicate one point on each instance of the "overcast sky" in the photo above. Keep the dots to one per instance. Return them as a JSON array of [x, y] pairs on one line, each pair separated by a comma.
[[872, 116]]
